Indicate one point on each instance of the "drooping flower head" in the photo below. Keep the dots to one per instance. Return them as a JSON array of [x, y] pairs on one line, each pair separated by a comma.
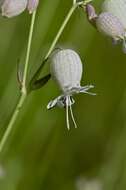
[[66, 69], [117, 8], [108, 24], [111, 26], [11, 8]]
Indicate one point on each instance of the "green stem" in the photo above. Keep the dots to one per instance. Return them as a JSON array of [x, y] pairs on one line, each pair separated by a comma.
[[24, 85], [67, 18], [12, 121], [59, 33], [23, 90], [61, 30]]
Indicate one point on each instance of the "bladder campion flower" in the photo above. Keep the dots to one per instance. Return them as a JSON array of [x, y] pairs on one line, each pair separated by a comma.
[[117, 8], [108, 24], [66, 70], [11, 8]]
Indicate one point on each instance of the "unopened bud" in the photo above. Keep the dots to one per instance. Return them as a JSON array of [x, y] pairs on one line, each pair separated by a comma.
[[91, 14], [32, 5], [12, 8]]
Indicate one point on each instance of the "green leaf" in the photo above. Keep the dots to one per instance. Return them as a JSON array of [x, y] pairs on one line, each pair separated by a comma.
[[40, 83]]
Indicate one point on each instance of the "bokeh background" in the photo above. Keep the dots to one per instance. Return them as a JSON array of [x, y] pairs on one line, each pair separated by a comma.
[[40, 152]]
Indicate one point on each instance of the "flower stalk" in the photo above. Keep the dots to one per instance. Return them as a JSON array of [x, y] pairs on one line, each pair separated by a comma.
[[25, 88], [24, 85], [12, 121], [59, 33]]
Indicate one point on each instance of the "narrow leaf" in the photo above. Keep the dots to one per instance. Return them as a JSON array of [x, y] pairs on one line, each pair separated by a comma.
[[40, 82]]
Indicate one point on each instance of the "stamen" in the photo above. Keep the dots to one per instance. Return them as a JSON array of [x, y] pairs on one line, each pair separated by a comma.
[[72, 116], [67, 113]]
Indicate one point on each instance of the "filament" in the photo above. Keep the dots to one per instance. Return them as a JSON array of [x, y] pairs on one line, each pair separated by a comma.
[[67, 113], [71, 111]]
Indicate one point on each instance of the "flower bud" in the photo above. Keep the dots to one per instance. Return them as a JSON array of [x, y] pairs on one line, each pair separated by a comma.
[[32, 5], [12, 8], [111, 26], [117, 8], [91, 14], [66, 70]]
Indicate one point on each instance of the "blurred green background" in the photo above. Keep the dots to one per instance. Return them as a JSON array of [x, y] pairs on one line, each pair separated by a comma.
[[41, 153]]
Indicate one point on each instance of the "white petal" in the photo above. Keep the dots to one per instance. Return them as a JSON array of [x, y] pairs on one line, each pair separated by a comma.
[[110, 25], [66, 69], [117, 8]]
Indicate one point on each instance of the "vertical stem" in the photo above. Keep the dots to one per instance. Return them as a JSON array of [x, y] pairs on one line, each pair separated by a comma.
[[23, 90], [67, 18], [59, 33], [61, 30], [12, 121], [24, 87]]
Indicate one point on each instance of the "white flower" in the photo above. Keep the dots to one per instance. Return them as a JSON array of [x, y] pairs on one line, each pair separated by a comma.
[[117, 8], [108, 22], [11, 8], [111, 26], [66, 70]]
